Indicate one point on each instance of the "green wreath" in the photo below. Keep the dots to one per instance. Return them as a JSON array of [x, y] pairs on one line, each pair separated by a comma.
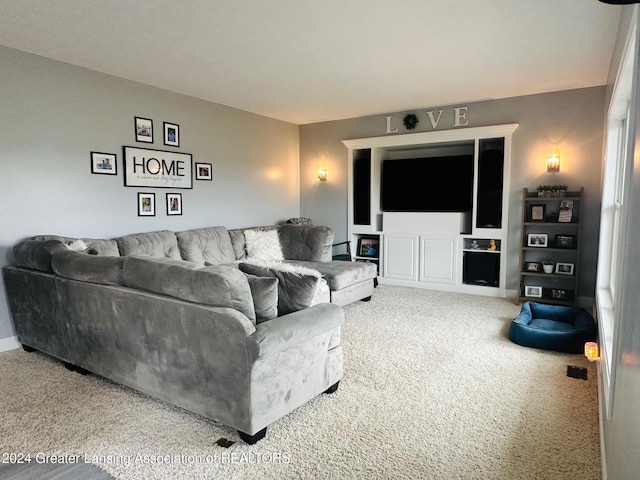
[[410, 121]]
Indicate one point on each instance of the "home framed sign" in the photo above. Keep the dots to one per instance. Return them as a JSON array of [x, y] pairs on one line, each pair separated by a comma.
[[145, 167]]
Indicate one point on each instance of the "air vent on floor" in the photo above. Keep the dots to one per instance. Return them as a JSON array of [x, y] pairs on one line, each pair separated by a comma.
[[576, 372]]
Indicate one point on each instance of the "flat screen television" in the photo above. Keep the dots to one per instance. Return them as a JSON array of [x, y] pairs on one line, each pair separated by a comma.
[[434, 184]]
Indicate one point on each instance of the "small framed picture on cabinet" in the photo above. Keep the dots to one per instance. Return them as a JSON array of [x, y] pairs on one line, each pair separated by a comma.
[[565, 241], [533, 267], [564, 268], [537, 240], [537, 212], [533, 291]]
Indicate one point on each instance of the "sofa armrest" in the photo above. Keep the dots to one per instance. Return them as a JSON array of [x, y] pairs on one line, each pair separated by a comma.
[[295, 328], [304, 242]]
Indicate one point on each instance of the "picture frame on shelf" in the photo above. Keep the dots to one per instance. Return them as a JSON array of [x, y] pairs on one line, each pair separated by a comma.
[[537, 212], [143, 129], [171, 134], [566, 211], [558, 294], [533, 291], [368, 247], [146, 204], [533, 267], [563, 268], [174, 204], [104, 163], [538, 240], [204, 171], [565, 241]]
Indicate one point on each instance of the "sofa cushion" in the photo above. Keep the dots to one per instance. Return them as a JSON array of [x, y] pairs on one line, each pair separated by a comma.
[[206, 246], [155, 244], [296, 289], [306, 242], [264, 291], [218, 286], [342, 274], [102, 247], [104, 270], [263, 246], [35, 254]]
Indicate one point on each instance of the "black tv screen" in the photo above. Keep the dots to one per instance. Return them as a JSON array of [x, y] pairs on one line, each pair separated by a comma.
[[434, 184]]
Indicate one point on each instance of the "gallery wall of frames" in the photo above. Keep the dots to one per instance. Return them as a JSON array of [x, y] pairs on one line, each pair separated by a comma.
[[149, 168]]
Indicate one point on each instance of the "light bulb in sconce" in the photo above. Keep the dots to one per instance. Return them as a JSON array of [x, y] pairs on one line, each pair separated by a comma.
[[591, 351], [322, 174], [553, 161]]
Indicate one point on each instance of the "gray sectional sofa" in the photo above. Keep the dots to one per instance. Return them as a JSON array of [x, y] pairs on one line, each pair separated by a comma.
[[189, 318]]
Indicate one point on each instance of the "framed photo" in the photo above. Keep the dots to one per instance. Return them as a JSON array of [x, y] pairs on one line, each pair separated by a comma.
[[368, 247], [564, 268], [144, 130], [537, 212], [533, 267], [204, 171], [566, 211], [565, 241], [174, 204], [171, 134], [103, 163], [537, 240], [558, 294], [146, 167], [146, 204], [533, 291]]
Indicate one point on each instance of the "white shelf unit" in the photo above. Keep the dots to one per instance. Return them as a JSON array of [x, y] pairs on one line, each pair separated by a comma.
[[425, 250]]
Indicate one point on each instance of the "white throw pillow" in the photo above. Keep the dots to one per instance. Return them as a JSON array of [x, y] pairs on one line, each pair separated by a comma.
[[263, 246]]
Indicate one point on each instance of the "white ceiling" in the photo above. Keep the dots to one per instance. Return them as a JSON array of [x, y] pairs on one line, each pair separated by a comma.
[[306, 61]]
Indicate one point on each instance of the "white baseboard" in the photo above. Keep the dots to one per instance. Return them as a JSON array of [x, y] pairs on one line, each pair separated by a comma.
[[9, 343], [601, 415]]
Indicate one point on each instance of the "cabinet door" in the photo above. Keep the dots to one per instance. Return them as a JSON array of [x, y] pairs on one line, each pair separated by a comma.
[[400, 256], [437, 259]]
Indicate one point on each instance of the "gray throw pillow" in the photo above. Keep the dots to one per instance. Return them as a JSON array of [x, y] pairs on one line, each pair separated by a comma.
[[265, 297], [295, 290]]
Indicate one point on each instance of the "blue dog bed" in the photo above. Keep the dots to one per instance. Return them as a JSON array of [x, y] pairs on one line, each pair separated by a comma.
[[553, 327]]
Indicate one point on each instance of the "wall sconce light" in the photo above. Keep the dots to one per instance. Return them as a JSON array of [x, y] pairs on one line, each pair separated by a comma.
[[322, 174], [553, 161], [591, 351]]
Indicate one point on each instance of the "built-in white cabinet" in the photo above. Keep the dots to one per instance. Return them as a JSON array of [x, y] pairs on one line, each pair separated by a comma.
[[400, 258], [419, 258], [435, 249], [438, 259]]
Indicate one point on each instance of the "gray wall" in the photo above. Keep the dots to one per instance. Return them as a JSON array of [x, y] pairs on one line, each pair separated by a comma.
[[53, 114], [622, 430], [571, 120]]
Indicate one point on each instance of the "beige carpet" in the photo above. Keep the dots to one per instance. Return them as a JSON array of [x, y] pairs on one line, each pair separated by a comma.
[[433, 389]]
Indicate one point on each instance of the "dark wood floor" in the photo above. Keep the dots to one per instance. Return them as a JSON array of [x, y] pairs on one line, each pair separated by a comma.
[[47, 471]]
